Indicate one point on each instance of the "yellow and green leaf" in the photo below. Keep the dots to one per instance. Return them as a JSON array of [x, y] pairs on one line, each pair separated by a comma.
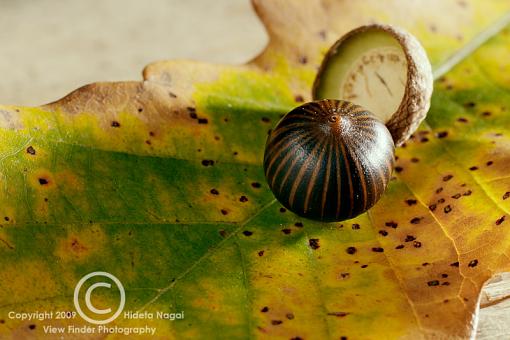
[[160, 183]]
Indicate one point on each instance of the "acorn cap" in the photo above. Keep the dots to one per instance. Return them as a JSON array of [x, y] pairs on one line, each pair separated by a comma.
[[383, 69]]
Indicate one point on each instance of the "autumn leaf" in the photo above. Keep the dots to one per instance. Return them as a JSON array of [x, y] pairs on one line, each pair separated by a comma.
[[160, 182]]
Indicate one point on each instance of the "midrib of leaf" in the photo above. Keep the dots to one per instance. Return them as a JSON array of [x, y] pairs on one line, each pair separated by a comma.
[[454, 59], [470, 47], [208, 253]]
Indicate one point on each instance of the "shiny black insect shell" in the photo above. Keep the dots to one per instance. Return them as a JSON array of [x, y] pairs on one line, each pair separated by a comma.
[[329, 160]]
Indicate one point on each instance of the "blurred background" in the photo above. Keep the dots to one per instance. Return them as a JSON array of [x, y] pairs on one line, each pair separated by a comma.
[[50, 47]]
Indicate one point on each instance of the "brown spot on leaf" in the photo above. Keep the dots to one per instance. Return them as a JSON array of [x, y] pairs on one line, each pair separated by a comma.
[[247, 233], [298, 224], [391, 224], [442, 134], [115, 124], [203, 121], [261, 253], [265, 309], [77, 247], [473, 168], [338, 314], [411, 202], [447, 178], [290, 316], [473, 263], [256, 185], [286, 231], [383, 232], [456, 196], [276, 322], [400, 246], [410, 238], [299, 99], [489, 163], [31, 150], [303, 60], [344, 276], [416, 220], [355, 226], [207, 162], [399, 169], [433, 283], [462, 120], [314, 243], [31, 326], [506, 195], [454, 264], [417, 244], [214, 192], [500, 220], [351, 250], [378, 250], [447, 209], [432, 207], [224, 212], [243, 199], [43, 181]]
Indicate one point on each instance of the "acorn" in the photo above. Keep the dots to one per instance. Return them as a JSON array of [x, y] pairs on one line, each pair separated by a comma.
[[332, 159], [385, 70]]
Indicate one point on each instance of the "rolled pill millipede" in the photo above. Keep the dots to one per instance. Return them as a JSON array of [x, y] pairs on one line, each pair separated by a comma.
[[329, 160]]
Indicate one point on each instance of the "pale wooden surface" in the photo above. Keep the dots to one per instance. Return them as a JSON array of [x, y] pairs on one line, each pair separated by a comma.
[[49, 47]]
